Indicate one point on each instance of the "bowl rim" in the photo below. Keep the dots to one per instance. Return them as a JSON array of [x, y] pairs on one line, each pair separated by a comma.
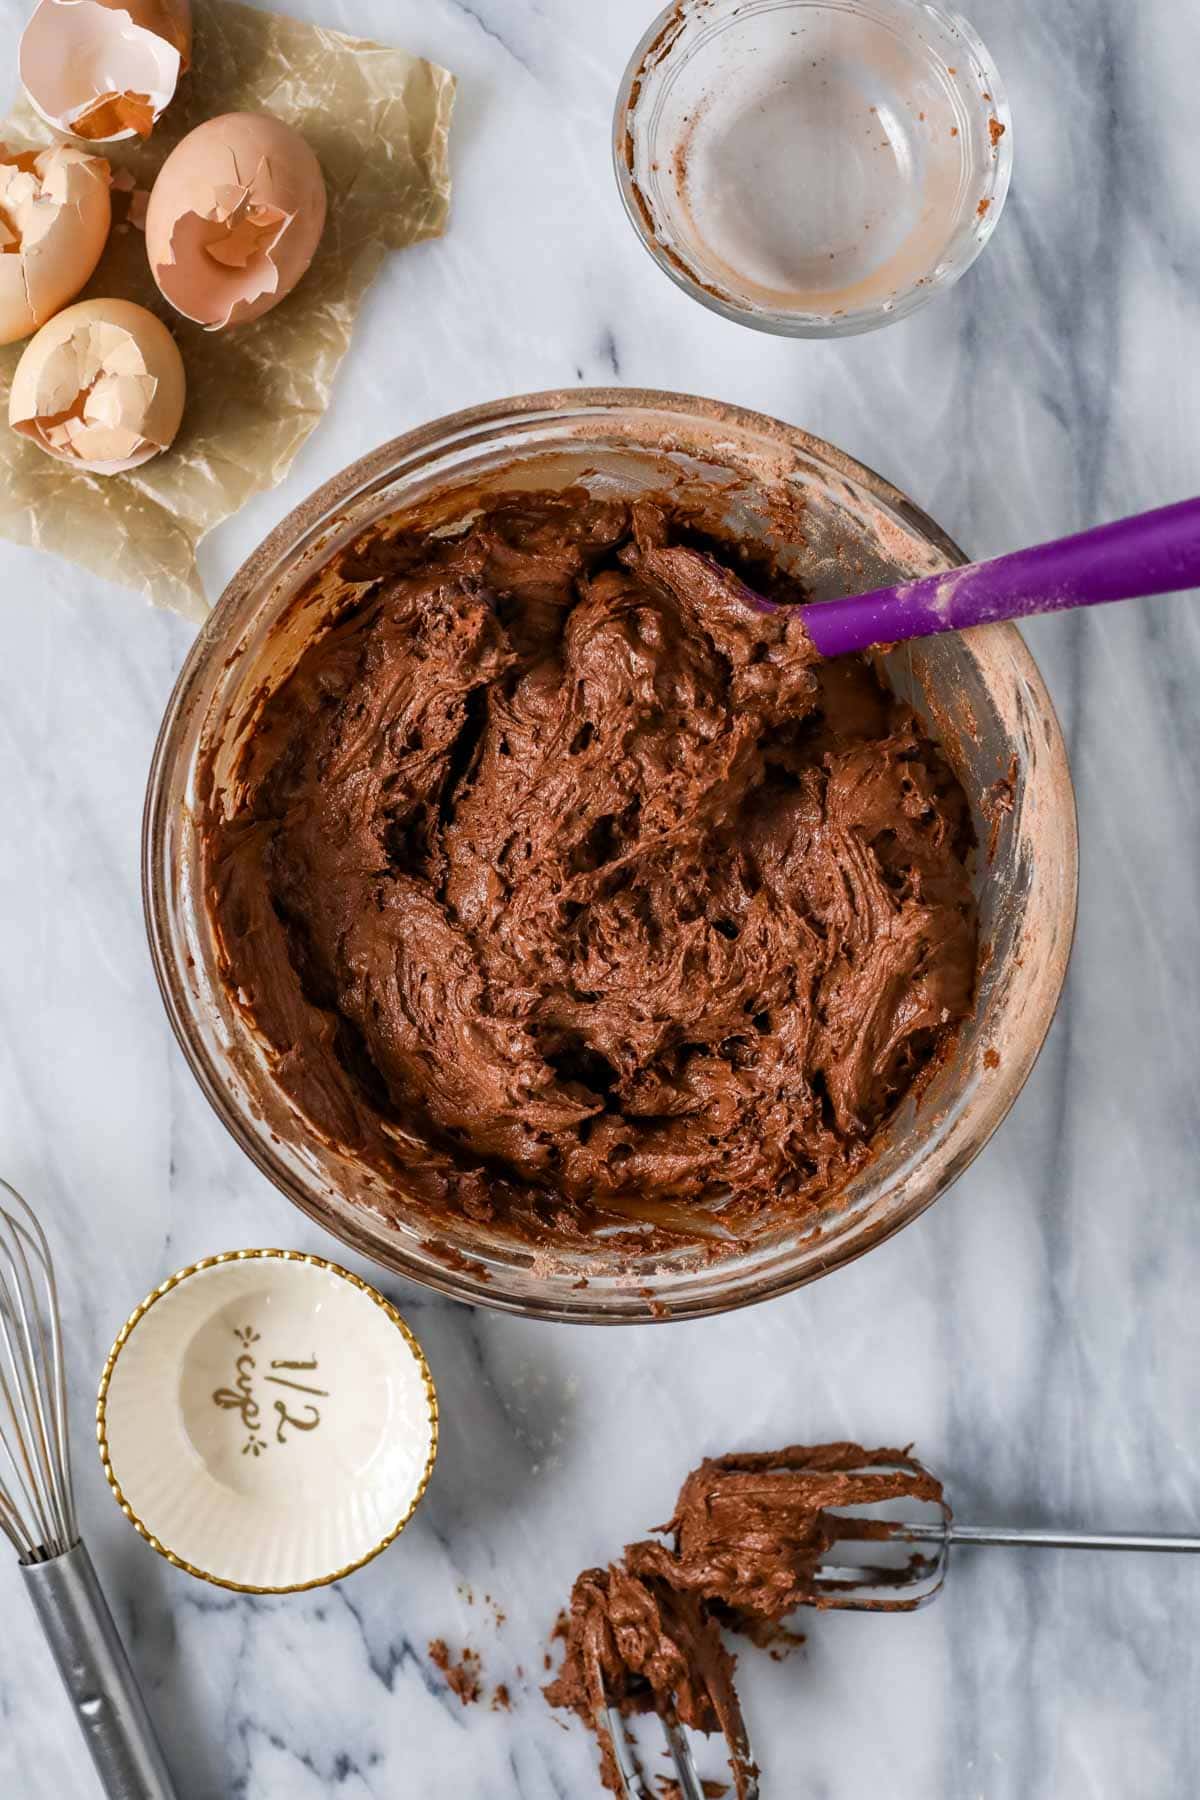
[[779, 323], [221, 1260], [303, 526]]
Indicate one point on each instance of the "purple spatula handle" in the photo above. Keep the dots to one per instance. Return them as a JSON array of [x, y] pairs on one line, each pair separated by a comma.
[[1151, 553]]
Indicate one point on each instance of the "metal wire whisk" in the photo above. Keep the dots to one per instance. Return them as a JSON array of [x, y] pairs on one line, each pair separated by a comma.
[[37, 1514], [37, 1506]]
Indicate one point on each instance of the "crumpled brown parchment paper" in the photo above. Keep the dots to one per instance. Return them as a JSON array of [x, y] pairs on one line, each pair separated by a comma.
[[378, 120]]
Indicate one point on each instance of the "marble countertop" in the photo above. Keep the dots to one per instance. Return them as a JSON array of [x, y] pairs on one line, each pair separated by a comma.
[[1037, 1333]]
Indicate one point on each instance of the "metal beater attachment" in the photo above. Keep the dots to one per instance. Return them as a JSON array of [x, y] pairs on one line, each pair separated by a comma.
[[891, 1560], [884, 1557], [610, 1726], [37, 1515]]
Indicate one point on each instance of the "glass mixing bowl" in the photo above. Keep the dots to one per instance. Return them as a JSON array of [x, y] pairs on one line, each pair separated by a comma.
[[979, 693], [812, 167]]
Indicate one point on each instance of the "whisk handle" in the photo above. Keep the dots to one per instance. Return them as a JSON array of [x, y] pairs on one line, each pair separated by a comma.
[[91, 1659]]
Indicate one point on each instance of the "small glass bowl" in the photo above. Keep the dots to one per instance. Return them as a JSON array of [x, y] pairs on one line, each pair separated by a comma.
[[812, 168], [804, 503]]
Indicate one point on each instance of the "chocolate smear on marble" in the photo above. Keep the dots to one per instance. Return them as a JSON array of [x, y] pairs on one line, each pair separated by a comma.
[[462, 1673]]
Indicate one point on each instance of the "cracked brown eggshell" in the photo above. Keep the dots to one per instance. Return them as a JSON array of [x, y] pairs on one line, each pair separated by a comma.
[[234, 218], [101, 387], [55, 213], [105, 69]]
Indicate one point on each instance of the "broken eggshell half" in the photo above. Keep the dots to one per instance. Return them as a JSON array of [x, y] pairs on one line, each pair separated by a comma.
[[105, 69], [55, 211], [100, 387], [234, 219]]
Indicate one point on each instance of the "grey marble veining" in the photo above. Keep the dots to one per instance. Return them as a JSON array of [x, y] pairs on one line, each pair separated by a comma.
[[1037, 1334]]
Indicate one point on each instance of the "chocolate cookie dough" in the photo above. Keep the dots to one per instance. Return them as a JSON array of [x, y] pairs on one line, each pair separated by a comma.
[[567, 886], [748, 1535]]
